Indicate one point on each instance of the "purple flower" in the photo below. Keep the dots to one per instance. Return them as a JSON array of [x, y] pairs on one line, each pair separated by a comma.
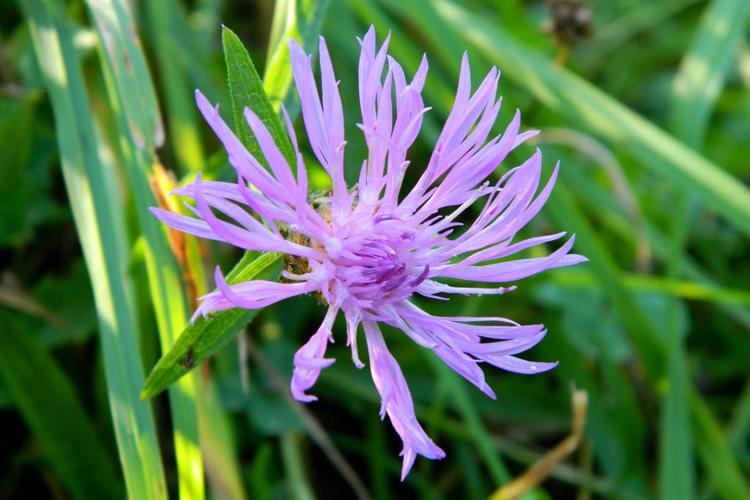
[[371, 248]]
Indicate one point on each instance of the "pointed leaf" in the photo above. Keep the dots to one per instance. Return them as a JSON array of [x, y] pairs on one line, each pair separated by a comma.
[[206, 335]]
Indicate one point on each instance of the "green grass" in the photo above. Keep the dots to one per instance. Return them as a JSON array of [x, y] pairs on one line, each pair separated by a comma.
[[99, 222]]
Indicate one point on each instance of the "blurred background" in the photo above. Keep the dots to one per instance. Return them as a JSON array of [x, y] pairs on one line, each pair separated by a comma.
[[644, 103]]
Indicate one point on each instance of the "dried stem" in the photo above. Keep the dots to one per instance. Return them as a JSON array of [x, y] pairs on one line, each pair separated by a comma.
[[535, 474]]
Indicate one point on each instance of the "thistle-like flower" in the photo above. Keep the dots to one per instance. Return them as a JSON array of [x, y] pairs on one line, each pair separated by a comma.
[[371, 248]]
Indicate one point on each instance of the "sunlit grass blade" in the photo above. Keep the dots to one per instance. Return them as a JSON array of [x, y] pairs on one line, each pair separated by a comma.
[[219, 445], [204, 337], [574, 98], [183, 128], [301, 20], [705, 67], [101, 233], [45, 397], [134, 105]]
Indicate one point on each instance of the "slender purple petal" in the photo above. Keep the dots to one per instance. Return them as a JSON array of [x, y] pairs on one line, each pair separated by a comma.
[[396, 401], [309, 360]]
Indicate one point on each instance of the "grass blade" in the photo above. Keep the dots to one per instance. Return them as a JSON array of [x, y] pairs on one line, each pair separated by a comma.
[[291, 454], [45, 397], [683, 289], [702, 284], [204, 337], [185, 139], [676, 467], [712, 448], [716, 456], [219, 444], [705, 67], [133, 101], [579, 101], [101, 233]]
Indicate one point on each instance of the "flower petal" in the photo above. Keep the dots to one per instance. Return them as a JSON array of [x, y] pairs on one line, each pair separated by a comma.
[[396, 400], [309, 360], [249, 294]]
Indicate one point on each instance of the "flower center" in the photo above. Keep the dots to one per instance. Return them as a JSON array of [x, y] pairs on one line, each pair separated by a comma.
[[379, 265]]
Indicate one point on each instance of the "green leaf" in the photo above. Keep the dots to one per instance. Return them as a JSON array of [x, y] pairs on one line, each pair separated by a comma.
[[677, 470], [206, 335], [69, 299], [246, 90], [45, 398], [92, 192], [121, 47], [651, 349], [291, 454]]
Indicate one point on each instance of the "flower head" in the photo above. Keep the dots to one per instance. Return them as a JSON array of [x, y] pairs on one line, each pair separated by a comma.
[[373, 247]]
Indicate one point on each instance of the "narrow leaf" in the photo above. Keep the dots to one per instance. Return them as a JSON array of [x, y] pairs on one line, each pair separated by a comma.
[[472, 419], [163, 17], [206, 335], [716, 456], [701, 77], [101, 231], [246, 90]]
